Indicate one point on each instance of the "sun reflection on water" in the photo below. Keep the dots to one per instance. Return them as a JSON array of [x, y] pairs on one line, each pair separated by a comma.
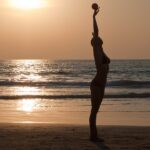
[[27, 91], [27, 105], [27, 74], [27, 70]]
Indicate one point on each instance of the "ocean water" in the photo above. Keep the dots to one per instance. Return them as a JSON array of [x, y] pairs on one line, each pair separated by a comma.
[[63, 86], [71, 79]]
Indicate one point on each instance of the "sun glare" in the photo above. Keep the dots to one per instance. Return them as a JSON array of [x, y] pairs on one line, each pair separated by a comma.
[[27, 105], [28, 4]]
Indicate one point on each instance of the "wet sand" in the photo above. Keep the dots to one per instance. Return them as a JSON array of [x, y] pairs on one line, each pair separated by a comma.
[[71, 137]]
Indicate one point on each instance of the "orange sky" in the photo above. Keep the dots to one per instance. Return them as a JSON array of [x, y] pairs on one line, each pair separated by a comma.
[[63, 30]]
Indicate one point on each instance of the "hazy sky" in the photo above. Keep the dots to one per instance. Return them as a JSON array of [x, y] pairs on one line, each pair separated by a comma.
[[63, 30]]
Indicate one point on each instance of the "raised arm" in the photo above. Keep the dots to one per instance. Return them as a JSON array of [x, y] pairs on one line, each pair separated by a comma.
[[95, 26]]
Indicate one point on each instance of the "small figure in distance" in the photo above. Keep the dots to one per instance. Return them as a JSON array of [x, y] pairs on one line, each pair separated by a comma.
[[98, 84]]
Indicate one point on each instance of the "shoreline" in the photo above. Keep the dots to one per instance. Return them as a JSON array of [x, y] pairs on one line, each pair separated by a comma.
[[68, 124], [124, 113]]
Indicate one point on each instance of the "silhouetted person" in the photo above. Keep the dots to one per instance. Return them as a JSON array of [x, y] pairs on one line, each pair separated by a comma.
[[98, 83]]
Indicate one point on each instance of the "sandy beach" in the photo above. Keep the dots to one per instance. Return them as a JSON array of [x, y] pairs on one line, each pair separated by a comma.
[[71, 137]]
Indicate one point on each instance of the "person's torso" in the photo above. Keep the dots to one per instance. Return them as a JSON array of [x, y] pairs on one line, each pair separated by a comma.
[[101, 76], [99, 55]]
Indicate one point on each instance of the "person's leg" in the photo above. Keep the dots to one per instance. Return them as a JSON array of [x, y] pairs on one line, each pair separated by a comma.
[[93, 129], [97, 94]]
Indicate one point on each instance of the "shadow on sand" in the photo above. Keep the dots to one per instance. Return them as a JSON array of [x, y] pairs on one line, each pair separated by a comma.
[[101, 146]]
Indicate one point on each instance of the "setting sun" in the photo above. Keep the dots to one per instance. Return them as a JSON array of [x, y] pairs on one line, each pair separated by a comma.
[[28, 4]]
